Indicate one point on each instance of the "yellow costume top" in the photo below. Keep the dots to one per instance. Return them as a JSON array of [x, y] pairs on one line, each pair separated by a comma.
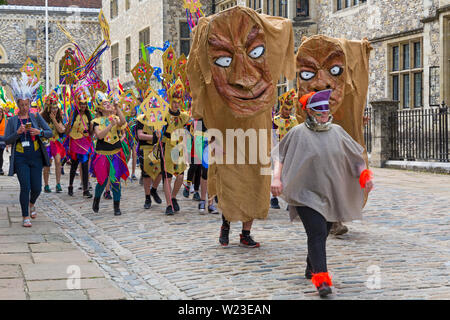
[[113, 136], [284, 125], [79, 127]]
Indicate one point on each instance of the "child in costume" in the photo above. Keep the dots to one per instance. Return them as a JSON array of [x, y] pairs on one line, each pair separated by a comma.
[[80, 141], [284, 122], [55, 149], [175, 119], [319, 170], [148, 147], [109, 161]]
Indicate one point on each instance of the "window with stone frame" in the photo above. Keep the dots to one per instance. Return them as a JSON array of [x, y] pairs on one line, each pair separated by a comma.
[[114, 8], [128, 54], [406, 73], [185, 38], [302, 8], [115, 60], [144, 39], [255, 5], [344, 4], [283, 8]]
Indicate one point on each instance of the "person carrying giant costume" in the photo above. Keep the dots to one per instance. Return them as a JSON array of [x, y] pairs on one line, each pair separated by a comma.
[[236, 59], [343, 66]]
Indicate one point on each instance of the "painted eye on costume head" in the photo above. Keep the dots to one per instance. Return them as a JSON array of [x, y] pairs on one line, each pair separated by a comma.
[[336, 70], [307, 75], [257, 52], [223, 62]]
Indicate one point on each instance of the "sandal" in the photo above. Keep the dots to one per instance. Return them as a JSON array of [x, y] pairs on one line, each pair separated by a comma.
[[33, 212], [27, 223]]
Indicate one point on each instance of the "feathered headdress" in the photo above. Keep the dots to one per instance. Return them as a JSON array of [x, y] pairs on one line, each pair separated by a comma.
[[23, 89]]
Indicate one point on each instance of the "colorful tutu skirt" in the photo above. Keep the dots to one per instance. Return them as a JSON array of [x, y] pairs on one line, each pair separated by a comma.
[[80, 149], [112, 166], [54, 148]]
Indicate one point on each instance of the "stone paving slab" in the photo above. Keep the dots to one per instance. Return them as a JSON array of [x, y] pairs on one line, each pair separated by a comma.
[[31, 258], [59, 295], [53, 271], [15, 258], [58, 285], [73, 256]]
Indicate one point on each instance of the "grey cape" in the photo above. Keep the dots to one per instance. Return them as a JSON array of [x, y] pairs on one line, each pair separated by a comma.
[[321, 171]]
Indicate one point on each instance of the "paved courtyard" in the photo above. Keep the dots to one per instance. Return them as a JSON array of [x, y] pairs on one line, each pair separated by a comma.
[[401, 250]]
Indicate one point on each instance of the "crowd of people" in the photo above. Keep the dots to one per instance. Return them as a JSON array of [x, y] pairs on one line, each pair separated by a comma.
[[319, 167]]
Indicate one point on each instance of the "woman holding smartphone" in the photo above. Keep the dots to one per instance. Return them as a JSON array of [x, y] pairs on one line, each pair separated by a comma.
[[28, 155]]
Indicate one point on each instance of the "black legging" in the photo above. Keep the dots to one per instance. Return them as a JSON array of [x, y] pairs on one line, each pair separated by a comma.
[[85, 173], [1, 156], [194, 174], [317, 230]]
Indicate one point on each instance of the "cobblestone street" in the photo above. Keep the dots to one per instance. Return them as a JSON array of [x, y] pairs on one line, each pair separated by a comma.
[[401, 250]]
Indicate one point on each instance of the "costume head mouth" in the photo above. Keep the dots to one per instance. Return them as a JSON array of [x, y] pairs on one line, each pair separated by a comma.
[[238, 61]]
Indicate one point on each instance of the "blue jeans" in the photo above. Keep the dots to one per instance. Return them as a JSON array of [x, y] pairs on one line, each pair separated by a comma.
[[28, 167]]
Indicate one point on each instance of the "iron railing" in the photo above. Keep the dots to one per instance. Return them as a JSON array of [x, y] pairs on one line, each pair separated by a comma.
[[368, 128], [420, 134]]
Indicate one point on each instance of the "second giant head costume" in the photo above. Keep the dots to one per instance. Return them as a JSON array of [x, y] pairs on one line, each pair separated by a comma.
[[342, 66], [233, 68]]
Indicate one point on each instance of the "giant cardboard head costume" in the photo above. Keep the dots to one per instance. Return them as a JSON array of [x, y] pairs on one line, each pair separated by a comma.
[[343, 66], [233, 69]]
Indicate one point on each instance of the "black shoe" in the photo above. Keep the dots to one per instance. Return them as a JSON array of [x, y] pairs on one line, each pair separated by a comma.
[[87, 194], [169, 211], [324, 290], [196, 196], [117, 208], [248, 242], [62, 170], [96, 205], [274, 203], [148, 203], [2, 172], [224, 236], [176, 207], [155, 196], [70, 192]]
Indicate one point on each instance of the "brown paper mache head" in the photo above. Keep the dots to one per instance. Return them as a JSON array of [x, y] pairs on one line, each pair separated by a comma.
[[235, 63], [238, 62], [321, 66]]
